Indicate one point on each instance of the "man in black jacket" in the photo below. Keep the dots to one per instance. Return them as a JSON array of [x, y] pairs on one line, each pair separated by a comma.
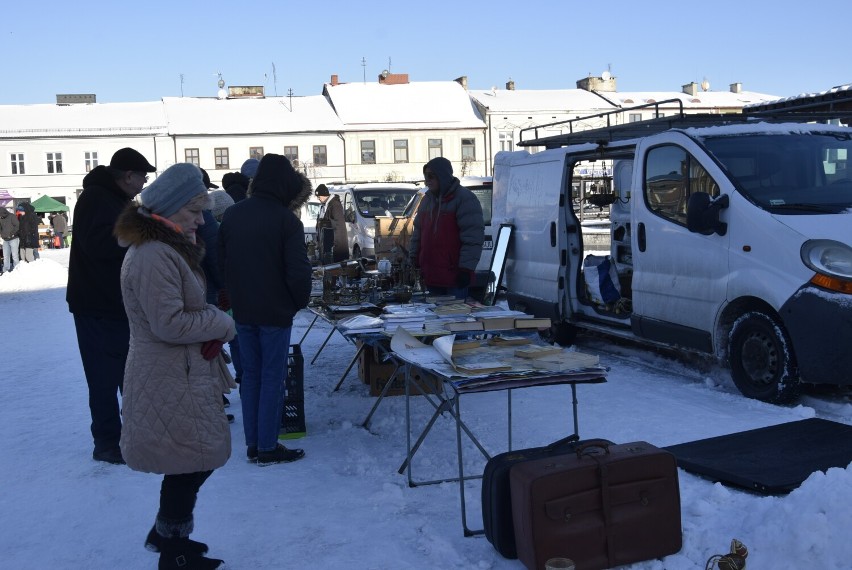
[[94, 291], [263, 258], [9, 231]]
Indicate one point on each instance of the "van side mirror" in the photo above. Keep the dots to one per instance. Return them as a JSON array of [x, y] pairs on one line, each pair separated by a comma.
[[702, 214]]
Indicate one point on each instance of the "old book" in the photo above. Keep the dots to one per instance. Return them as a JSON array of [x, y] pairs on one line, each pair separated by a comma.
[[533, 323], [537, 351], [464, 326], [567, 361], [509, 340], [497, 323], [484, 367], [452, 309], [463, 346]]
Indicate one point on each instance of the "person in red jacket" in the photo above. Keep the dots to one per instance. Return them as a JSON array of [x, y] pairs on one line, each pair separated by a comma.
[[449, 230]]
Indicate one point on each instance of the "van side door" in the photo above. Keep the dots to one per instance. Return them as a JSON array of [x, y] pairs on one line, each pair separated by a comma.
[[679, 278]]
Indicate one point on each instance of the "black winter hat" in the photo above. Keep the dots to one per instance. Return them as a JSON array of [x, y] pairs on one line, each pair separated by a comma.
[[206, 178], [322, 190], [275, 175], [130, 159]]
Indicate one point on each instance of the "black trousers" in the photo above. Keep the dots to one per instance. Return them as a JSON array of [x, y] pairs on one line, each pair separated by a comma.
[[103, 349], [177, 502]]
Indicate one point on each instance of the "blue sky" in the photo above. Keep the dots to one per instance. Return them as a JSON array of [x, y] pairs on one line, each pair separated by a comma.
[[137, 51]]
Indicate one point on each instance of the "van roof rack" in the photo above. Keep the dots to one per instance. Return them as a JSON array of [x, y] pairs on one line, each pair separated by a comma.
[[625, 131]]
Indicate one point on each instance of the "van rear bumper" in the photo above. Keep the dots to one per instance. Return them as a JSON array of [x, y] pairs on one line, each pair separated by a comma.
[[819, 323]]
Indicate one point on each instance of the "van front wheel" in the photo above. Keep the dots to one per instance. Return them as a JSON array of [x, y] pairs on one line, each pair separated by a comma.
[[762, 362]]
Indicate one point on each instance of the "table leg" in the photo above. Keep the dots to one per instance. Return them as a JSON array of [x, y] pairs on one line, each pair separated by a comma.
[[351, 364], [325, 342], [307, 330], [366, 423]]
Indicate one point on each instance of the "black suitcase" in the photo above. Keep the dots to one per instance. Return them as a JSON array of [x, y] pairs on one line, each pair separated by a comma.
[[496, 495]]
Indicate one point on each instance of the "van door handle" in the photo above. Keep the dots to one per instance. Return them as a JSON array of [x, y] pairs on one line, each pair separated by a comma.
[[552, 234], [640, 237]]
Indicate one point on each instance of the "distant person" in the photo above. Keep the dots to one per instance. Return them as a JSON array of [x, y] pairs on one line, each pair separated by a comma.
[[236, 183], [449, 230], [9, 235], [94, 291], [263, 257], [174, 421], [29, 231], [331, 216], [60, 228]]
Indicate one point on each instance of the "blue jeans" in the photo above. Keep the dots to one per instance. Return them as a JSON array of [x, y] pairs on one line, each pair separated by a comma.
[[11, 253], [263, 351]]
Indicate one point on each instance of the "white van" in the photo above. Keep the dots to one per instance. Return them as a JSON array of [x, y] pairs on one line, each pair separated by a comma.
[[729, 236], [362, 203]]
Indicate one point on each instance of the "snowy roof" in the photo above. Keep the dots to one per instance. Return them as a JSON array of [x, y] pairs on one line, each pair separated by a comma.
[[703, 99], [208, 115], [424, 104], [527, 100], [91, 119]]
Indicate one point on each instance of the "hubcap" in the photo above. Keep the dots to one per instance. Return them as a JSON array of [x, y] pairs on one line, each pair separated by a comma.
[[760, 358]]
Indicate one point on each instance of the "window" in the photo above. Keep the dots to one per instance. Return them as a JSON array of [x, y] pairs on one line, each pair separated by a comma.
[[17, 163], [54, 163], [505, 139], [436, 148], [220, 155], [468, 149], [291, 152], [368, 152], [256, 152], [191, 156], [90, 159], [671, 175], [400, 150], [635, 117], [320, 155]]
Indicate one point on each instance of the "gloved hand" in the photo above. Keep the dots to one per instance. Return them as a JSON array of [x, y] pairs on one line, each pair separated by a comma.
[[462, 278], [211, 349], [224, 300]]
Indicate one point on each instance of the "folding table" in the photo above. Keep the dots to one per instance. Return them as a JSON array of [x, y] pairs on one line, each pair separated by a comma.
[[449, 401]]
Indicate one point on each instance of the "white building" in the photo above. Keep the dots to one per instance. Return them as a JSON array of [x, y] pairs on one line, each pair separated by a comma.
[[363, 131]]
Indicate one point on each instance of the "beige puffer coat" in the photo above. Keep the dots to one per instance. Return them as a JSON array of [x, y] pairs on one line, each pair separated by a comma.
[[174, 420]]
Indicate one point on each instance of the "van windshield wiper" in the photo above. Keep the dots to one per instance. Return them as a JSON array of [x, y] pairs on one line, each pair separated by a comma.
[[822, 208]]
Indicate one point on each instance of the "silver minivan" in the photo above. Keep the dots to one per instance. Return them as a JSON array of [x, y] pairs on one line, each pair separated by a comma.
[[362, 203]]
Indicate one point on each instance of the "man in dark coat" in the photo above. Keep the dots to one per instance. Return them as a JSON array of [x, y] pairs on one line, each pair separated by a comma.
[[331, 217], [263, 258], [449, 230], [29, 231], [94, 291], [9, 230], [60, 227]]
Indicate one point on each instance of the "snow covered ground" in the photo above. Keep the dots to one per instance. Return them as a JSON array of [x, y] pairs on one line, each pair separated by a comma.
[[344, 505]]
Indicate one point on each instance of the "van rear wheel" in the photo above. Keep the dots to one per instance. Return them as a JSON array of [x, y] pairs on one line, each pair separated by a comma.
[[761, 357]]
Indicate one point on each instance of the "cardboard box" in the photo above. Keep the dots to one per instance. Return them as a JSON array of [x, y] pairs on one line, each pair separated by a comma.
[[377, 374]]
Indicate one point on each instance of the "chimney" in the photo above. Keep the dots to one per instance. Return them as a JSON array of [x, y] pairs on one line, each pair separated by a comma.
[[335, 80], [605, 83], [690, 88], [736, 87], [387, 78], [510, 85], [462, 81]]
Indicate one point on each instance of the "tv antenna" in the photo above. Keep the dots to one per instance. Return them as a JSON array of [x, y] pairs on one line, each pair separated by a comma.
[[364, 65], [181, 84]]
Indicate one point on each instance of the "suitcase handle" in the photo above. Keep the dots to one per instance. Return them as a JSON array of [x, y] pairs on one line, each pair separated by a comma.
[[587, 447]]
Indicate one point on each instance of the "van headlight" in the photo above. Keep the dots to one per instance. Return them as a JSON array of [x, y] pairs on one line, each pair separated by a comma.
[[832, 262], [370, 231]]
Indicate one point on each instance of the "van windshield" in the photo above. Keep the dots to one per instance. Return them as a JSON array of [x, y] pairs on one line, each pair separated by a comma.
[[789, 173], [383, 202]]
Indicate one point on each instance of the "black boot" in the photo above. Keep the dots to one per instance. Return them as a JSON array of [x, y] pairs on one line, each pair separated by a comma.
[[177, 555], [154, 541]]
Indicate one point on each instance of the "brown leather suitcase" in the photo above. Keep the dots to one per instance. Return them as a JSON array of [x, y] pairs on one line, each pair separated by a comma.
[[600, 505]]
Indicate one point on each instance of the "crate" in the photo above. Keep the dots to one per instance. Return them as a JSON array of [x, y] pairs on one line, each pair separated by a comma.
[[293, 414]]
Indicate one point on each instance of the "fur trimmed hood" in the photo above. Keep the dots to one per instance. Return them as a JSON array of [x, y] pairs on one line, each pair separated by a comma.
[[276, 178], [135, 226]]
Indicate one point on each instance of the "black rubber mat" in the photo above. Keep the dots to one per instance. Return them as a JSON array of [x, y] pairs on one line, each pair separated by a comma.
[[771, 460]]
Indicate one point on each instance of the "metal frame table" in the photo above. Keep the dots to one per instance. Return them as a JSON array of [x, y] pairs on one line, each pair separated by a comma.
[[450, 401]]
